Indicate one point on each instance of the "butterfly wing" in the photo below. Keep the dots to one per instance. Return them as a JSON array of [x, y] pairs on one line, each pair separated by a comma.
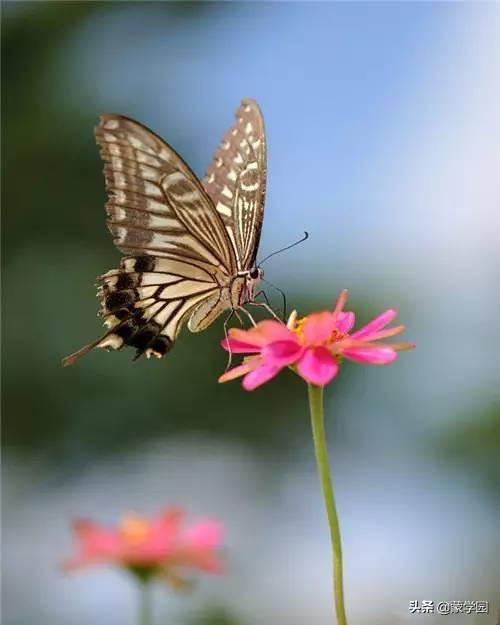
[[156, 204], [181, 254], [236, 181]]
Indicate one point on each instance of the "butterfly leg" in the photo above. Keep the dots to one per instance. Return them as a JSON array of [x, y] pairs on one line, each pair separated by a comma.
[[227, 320], [252, 320], [283, 296], [237, 316], [266, 306]]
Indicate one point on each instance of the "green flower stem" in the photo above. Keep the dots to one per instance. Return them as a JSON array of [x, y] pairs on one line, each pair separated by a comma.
[[144, 612], [318, 429]]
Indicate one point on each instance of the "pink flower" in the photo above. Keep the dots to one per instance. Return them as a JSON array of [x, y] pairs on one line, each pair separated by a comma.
[[159, 546], [314, 346]]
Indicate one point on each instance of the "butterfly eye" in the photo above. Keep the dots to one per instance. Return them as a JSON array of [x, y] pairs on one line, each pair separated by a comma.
[[254, 273]]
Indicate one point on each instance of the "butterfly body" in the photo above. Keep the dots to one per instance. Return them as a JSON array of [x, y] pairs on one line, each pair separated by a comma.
[[190, 247]]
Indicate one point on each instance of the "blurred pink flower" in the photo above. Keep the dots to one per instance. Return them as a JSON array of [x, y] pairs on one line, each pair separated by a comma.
[[314, 345], [158, 546]]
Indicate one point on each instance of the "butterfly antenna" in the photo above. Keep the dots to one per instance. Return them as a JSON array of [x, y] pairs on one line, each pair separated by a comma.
[[288, 247]]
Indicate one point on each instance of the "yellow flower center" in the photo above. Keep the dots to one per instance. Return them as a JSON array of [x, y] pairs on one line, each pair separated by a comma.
[[134, 529], [298, 329]]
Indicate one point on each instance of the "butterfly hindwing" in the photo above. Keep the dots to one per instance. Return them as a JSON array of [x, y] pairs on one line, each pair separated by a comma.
[[146, 300]]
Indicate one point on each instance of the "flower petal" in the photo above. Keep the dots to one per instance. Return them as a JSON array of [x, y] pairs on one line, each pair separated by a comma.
[[270, 330], [375, 325], [281, 353], [237, 372], [371, 355], [206, 534], [384, 334], [239, 347], [263, 333], [339, 306], [318, 327], [345, 321], [317, 366], [260, 376]]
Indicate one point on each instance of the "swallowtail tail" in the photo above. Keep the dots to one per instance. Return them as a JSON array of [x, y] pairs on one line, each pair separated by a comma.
[[190, 248]]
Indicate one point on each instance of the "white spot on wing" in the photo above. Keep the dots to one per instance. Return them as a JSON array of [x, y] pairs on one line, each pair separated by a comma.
[[111, 321], [117, 162], [129, 264], [223, 209], [177, 176], [152, 189], [147, 159], [153, 205], [149, 172], [118, 213], [119, 179], [155, 221], [119, 196], [165, 155], [135, 142], [113, 340], [120, 234], [111, 124]]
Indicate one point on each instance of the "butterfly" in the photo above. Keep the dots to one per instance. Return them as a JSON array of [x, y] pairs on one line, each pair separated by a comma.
[[190, 247]]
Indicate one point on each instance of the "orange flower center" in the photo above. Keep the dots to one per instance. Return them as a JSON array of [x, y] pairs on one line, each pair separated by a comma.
[[134, 529], [335, 336]]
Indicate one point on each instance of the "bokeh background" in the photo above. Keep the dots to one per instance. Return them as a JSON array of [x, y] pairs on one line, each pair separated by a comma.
[[384, 134]]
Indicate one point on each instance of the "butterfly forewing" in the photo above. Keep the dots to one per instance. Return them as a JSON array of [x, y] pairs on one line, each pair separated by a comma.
[[156, 204], [236, 181], [183, 253]]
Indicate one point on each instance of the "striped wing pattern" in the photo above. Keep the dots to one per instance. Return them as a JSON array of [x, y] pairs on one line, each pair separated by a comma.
[[182, 255], [236, 181], [156, 204]]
